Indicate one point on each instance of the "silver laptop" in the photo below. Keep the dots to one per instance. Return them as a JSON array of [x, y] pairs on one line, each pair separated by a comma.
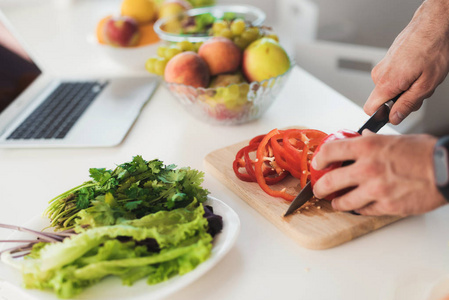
[[37, 110]]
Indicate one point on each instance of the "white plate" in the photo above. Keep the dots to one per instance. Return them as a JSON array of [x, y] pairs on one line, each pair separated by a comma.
[[111, 287]]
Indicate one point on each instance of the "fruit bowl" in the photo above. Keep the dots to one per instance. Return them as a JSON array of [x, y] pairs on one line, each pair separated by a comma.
[[233, 104], [127, 57]]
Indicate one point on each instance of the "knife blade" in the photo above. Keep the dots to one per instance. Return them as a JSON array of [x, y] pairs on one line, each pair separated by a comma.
[[303, 196], [374, 123]]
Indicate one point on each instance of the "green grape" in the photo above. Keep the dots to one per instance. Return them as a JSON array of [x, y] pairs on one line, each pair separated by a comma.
[[227, 33], [240, 42], [231, 93], [238, 27], [218, 26], [254, 30], [249, 36], [171, 52], [243, 97], [220, 94], [197, 46], [161, 51], [185, 46], [159, 65], [244, 89], [150, 65]]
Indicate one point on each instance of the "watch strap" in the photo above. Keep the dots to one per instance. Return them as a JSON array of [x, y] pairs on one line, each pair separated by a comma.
[[441, 165]]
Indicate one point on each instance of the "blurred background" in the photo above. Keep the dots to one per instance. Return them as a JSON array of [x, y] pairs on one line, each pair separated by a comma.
[[339, 42]]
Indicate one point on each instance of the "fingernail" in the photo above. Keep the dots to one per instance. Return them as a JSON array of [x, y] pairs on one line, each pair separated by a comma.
[[334, 204], [314, 165], [397, 118]]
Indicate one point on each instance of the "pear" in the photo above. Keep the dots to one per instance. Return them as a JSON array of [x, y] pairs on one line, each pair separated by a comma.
[[263, 59]]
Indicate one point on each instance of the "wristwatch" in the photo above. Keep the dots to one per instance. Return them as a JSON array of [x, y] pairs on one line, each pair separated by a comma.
[[441, 165]]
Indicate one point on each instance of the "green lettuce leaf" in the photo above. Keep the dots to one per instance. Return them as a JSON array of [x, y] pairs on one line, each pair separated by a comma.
[[84, 259]]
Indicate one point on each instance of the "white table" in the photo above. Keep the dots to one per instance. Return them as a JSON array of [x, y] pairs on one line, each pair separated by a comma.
[[404, 259]]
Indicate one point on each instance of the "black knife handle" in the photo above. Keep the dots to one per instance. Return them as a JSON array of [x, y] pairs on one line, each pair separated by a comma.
[[380, 117]]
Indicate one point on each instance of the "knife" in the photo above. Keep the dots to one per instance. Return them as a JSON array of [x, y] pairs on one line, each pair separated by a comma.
[[374, 123]]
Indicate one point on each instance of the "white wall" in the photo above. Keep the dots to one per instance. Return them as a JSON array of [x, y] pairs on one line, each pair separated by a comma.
[[377, 23], [268, 6], [364, 22]]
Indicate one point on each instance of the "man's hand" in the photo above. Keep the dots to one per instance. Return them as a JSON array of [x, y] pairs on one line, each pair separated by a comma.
[[416, 63], [391, 175]]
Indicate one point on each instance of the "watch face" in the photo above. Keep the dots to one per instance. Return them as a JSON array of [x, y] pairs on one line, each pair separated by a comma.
[[440, 161]]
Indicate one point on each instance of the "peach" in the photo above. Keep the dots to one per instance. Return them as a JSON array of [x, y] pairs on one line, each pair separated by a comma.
[[121, 31], [221, 55], [147, 35], [187, 68], [173, 7], [100, 30]]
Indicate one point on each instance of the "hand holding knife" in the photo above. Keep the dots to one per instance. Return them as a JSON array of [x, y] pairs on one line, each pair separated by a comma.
[[374, 124]]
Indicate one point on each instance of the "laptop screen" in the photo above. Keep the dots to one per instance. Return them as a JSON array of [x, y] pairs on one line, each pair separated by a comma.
[[17, 70]]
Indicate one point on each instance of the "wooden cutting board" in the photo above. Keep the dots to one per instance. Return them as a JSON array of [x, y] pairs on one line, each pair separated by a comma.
[[315, 226]]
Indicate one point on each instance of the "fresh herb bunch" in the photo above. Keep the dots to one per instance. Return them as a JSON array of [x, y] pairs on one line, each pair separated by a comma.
[[132, 190]]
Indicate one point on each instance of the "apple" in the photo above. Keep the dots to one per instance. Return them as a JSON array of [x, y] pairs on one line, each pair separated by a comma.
[[121, 31], [263, 59], [317, 174], [187, 68], [221, 55], [173, 7]]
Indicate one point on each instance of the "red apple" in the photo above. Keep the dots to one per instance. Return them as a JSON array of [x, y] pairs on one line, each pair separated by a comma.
[[317, 174], [121, 31], [187, 68], [221, 55]]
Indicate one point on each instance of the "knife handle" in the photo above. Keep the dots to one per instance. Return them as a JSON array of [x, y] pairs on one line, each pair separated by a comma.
[[397, 97]]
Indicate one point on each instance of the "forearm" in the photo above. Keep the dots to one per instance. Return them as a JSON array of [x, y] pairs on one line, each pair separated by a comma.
[[436, 14], [416, 63]]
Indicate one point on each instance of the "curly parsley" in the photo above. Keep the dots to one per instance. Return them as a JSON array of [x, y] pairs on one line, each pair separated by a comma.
[[132, 190]]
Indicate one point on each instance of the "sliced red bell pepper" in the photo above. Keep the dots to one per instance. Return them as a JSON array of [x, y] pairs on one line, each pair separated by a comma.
[[239, 163], [278, 153], [262, 152]]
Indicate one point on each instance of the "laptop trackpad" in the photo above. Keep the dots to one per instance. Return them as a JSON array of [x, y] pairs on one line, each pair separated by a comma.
[[109, 118]]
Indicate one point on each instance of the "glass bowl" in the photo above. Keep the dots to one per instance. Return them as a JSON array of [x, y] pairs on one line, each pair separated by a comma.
[[250, 14], [233, 104]]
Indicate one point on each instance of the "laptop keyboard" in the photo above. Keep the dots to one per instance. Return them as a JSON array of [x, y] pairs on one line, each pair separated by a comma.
[[57, 114]]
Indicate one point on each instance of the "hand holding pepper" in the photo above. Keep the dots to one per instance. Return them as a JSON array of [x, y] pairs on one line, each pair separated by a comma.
[[391, 175]]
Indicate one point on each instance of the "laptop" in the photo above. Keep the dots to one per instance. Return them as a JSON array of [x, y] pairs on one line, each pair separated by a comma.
[[37, 110]]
